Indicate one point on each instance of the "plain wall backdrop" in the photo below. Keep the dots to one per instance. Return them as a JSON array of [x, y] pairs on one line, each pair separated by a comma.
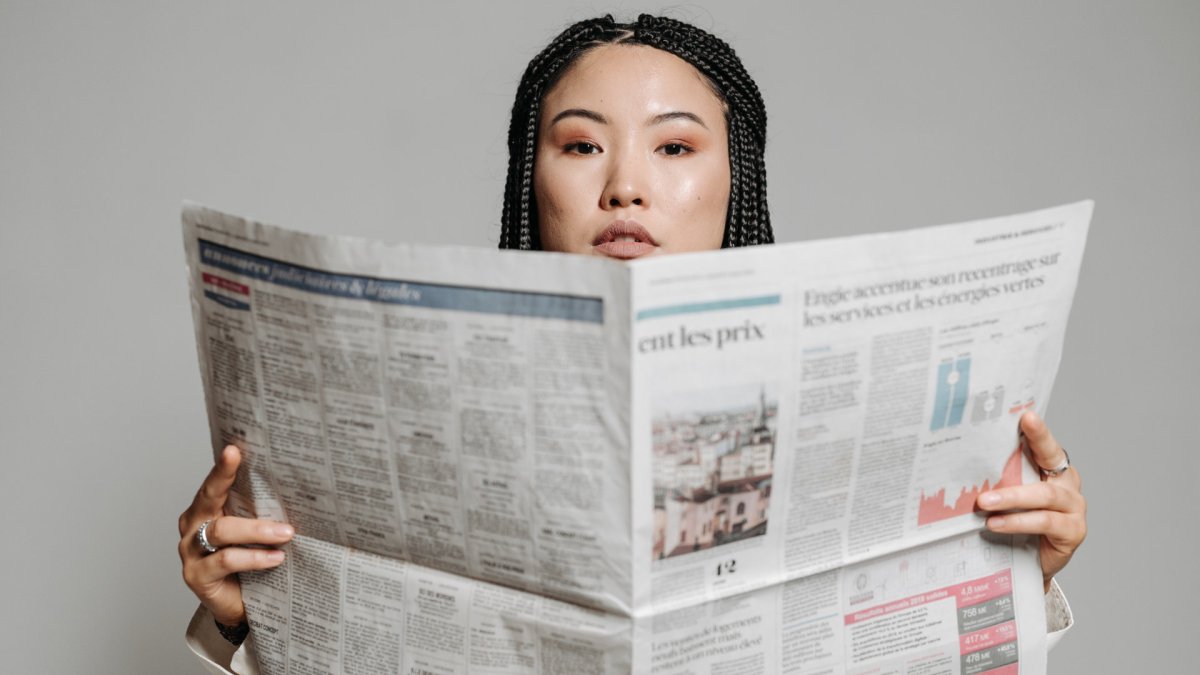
[[388, 120]]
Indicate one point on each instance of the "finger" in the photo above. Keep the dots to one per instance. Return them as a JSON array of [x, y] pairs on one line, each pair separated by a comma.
[[215, 488], [1064, 530], [1053, 496], [232, 531], [1047, 453], [211, 569]]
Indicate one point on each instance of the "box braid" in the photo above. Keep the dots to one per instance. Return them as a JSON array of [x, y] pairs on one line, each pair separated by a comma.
[[747, 222]]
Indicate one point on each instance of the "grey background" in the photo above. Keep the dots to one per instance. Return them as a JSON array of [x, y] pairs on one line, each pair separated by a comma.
[[388, 120]]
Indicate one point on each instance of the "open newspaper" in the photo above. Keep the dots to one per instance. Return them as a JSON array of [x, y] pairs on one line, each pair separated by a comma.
[[749, 461]]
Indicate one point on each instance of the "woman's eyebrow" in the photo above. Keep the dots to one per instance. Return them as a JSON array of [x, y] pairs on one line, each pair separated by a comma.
[[579, 112], [676, 115]]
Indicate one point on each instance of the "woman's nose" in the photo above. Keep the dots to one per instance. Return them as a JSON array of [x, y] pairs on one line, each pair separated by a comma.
[[616, 201], [626, 185]]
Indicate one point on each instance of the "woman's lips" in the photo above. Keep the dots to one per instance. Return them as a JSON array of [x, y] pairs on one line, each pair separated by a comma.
[[624, 239]]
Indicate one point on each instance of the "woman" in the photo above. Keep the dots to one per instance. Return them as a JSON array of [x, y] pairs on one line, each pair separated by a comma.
[[626, 140]]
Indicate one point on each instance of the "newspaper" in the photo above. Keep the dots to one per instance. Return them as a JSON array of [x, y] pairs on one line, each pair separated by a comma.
[[760, 460]]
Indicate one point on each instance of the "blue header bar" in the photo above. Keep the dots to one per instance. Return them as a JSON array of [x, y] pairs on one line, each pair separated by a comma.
[[715, 305], [394, 292]]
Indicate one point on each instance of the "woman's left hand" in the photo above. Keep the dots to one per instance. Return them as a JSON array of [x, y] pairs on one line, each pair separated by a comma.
[[1053, 508]]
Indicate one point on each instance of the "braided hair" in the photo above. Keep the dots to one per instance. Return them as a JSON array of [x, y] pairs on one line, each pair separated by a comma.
[[747, 221]]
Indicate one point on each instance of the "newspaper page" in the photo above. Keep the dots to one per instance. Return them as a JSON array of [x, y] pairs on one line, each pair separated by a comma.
[[818, 419], [751, 461]]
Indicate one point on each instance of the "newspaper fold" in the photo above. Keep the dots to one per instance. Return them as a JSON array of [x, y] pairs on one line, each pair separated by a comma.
[[751, 461]]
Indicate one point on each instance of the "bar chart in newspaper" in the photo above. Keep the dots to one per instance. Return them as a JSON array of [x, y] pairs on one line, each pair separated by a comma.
[[953, 385], [977, 396]]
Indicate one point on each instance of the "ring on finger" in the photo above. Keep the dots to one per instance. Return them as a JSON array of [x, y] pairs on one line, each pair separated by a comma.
[[1060, 469], [202, 538]]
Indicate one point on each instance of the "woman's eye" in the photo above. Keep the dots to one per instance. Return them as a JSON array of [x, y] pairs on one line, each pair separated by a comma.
[[675, 149], [582, 148]]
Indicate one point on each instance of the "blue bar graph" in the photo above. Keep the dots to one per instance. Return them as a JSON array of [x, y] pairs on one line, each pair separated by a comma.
[[950, 399]]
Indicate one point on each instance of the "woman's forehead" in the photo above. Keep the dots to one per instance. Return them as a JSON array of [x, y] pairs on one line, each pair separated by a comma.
[[634, 79]]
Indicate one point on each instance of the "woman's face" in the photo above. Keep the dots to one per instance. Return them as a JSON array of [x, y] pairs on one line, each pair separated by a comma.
[[632, 157]]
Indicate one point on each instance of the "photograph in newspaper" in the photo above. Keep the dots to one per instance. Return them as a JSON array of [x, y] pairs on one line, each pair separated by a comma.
[[714, 455]]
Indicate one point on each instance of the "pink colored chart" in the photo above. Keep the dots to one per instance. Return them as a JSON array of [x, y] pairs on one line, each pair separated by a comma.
[[936, 508]]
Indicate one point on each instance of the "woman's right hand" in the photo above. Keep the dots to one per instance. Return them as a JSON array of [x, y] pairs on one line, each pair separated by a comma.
[[212, 576]]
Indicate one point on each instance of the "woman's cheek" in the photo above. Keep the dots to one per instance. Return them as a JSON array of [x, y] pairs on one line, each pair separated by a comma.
[[549, 191], [704, 201], [572, 202]]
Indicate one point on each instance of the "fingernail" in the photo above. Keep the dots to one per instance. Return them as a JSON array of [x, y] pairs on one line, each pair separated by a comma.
[[989, 499], [275, 556], [995, 523], [282, 530]]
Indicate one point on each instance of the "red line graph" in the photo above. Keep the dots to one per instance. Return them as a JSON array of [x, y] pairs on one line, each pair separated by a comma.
[[934, 507]]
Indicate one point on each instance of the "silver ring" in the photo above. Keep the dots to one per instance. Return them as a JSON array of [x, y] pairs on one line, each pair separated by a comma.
[[1061, 468], [202, 538]]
